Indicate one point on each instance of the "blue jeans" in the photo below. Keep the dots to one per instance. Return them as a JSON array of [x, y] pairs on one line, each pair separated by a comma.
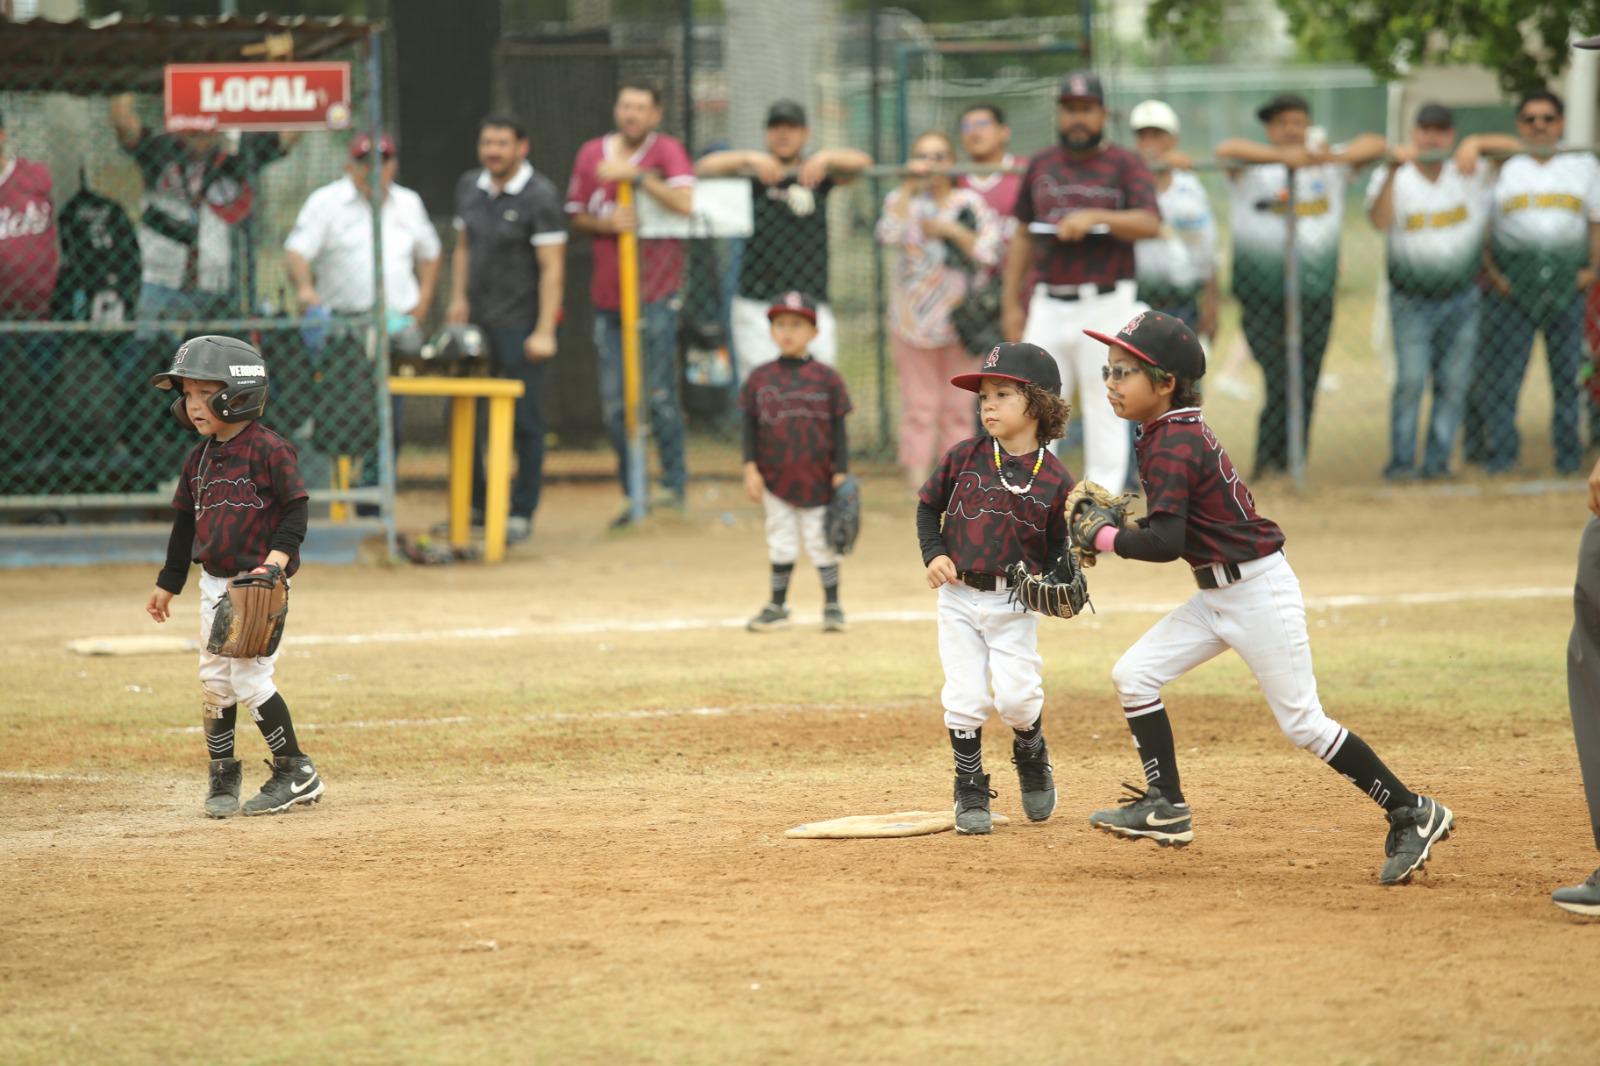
[[507, 360], [1506, 342], [659, 355], [1432, 335]]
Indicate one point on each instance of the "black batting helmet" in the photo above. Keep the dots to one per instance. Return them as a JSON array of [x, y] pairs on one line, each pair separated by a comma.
[[237, 365]]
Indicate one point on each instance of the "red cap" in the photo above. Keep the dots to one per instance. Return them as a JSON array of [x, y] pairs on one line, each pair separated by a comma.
[[361, 147]]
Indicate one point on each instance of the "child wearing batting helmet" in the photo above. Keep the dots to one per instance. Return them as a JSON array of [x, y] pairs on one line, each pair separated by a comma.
[[796, 454], [240, 507], [1249, 600], [994, 500]]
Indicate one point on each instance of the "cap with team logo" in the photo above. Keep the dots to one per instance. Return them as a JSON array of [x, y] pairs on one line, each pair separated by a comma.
[[1017, 362], [793, 303], [1081, 85], [1153, 115], [1160, 340]]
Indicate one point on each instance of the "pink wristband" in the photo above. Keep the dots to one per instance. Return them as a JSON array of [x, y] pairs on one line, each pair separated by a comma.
[[1105, 539]]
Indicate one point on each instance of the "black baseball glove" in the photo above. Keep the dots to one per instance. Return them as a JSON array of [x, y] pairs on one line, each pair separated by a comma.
[[1060, 592], [844, 516]]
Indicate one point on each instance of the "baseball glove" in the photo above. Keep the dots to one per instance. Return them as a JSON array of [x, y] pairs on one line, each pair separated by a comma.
[[844, 516], [1060, 592], [249, 620], [1090, 509]]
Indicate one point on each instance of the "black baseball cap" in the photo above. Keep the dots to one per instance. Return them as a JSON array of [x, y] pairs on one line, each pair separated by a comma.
[[1017, 362], [1436, 116], [1281, 103], [793, 303], [1082, 85], [786, 113], [1160, 340]]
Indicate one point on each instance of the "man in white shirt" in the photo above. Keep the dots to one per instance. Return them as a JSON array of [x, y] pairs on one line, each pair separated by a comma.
[[1542, 258], [1177, 270], [1432, 213]]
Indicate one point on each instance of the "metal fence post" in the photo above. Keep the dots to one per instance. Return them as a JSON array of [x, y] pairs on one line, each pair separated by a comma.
[[1296, 422], [378, 329], [880, 311]]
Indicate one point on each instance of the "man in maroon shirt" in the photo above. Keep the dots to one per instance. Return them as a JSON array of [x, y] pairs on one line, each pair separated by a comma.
[[1081, 206]]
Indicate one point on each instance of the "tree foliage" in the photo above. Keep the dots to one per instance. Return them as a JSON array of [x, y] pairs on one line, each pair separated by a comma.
[[1524, 41]]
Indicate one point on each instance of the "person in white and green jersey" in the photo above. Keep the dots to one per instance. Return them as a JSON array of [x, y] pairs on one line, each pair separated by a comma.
[[1258, 203], [1542, 258], [1433, 212]]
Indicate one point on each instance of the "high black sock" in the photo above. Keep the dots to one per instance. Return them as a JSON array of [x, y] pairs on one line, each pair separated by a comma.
[[781, 573], [830, 582], [1031, 739], [219, 730], [1152, 735], [968, 747], [272, 718], [1367, 772]]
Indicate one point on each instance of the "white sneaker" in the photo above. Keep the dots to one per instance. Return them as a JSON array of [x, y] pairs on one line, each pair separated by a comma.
[[518, 529]]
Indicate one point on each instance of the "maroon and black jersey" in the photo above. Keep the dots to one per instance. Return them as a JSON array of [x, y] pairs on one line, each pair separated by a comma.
[[238, 490], [795, 407], [987, 527], [1057, 184], [1186, 472]]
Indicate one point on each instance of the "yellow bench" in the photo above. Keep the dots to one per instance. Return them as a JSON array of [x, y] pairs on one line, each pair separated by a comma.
[[464, 393]]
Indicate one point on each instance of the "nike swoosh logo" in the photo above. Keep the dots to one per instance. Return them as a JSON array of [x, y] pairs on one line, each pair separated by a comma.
[[297, 789], [1151, 819], [1423, 831]]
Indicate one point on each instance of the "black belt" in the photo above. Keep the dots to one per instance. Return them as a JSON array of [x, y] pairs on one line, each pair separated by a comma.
[[1075, 292], [1206, 577], [975, 579]]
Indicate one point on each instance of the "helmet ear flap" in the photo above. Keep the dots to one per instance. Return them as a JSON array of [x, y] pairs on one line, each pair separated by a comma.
[[181, 414]]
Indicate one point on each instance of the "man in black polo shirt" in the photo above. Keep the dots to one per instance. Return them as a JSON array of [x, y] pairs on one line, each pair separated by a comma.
[[506, 278], [788, 252]]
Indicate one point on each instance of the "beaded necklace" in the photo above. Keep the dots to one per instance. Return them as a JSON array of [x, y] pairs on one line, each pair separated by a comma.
[[1038, 461]]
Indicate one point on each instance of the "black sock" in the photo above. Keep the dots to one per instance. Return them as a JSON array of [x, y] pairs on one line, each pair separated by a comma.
[[1367, 772], [780, 582], [219, 730], [1152, 735], [1030, 739], [272, 718], [830, 582], [968, 747]]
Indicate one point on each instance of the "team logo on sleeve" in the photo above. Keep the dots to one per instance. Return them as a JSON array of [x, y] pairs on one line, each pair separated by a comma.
[[993, 359]]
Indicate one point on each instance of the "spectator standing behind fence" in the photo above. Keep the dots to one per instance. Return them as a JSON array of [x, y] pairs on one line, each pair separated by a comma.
[[935, 229], [660, 169], [1433, 216], [986, 139], [28, 258], [1259, 201], [1543, 255], [506, 278], [788, 250], [197, 194], [328, 255], [1177, 270], [1092, 201]]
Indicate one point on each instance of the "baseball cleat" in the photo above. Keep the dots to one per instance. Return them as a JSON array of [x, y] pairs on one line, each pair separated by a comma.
[[223, 799], [1035, 780], [294, 781], [770, 616], [833, 618], [1146, 814], [1412, 832], [1580, 899], [972, 805]]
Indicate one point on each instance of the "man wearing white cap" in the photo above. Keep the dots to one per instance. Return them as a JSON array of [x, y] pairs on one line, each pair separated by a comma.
[[1176, 271]]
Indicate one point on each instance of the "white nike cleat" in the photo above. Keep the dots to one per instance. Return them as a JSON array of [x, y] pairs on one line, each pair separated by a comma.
[[294, 781], [1412, 832], [1146, 814]]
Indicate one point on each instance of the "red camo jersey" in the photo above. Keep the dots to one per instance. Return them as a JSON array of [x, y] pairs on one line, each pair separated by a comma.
[[237, 490], [1186, 472], [661, 260], [795, 402], [987, 527], [1056, 184], [28, 259]]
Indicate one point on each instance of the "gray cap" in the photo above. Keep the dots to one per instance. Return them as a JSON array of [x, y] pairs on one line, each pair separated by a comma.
[[1436, 116], [1587, 42]]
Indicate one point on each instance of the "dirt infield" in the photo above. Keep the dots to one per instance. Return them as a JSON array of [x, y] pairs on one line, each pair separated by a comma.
[[557, 792]]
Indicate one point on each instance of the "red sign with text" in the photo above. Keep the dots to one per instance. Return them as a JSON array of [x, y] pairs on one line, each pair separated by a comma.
[[258, 96]]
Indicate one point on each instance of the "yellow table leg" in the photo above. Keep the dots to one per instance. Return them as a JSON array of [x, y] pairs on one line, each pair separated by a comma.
[[339, 510], [463, 424], [497, 478]]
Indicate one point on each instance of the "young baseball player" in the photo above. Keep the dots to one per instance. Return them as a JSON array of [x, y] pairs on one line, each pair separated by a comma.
[[1001, 497], [240, 505], [1249, 600], [795, 455]]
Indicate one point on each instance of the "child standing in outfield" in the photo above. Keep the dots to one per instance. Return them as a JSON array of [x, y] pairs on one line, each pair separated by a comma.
[[1001, 496], [1249, 600], [795, 455], [240, 505]]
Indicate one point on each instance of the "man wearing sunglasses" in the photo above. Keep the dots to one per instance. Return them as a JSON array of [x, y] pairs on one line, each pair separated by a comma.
[[1541, 260]]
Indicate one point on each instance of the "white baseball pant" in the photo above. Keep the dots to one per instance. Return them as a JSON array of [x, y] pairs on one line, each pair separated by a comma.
[[752, 336], [990, 651], [1262, 616], [225, 681], [788, 526], [1057, 326]]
